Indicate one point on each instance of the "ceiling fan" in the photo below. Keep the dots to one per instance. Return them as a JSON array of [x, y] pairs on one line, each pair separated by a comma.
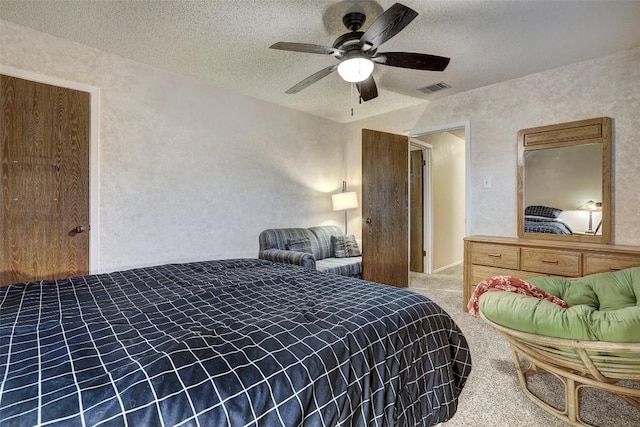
[[357, 51]]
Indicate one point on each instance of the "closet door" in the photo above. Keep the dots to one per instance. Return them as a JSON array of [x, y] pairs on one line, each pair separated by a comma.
[[44, 137]]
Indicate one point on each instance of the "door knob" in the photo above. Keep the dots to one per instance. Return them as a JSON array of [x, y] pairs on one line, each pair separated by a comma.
[[79, 229], [368, 220]]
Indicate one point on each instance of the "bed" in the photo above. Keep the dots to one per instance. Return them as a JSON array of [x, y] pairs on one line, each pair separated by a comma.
[[544, 219], [533, 224], [239, 342]]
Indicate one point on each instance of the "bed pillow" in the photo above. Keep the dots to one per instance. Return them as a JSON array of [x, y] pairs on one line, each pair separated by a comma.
[[299, 245], [345, 245], [545, 211]]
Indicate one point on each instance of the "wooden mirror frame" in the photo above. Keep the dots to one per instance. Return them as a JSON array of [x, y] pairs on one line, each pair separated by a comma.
[[581, 132]]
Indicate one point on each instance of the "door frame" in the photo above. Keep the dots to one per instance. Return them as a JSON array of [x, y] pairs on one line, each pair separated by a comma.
[[427, 202], [94, 136], [416, 133]]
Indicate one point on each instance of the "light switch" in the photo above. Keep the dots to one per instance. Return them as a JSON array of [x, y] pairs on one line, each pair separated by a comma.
[[486, 182]]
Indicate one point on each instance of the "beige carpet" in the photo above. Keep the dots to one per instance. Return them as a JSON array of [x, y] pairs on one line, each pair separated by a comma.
[[492, 396]]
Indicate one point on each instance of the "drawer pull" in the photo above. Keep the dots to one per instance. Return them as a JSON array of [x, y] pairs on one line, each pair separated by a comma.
[[495, 255], [615, 269], [547, 261]]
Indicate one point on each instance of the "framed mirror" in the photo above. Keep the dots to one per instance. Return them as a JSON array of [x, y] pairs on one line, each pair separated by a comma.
[[564, 181]]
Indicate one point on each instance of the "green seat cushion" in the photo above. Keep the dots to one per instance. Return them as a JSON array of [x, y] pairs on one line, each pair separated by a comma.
[[602, 307]]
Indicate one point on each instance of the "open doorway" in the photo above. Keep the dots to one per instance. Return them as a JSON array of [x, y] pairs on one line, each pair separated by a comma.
[[444, 196]]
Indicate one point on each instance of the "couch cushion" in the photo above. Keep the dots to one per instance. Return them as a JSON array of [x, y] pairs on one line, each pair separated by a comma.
[[343, 266], [345, 245], [323, 235], [602, 307]]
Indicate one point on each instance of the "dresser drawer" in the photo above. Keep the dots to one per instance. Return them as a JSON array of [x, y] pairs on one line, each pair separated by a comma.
[[495, 255], [602, 263], [480, 272], [561, 263]]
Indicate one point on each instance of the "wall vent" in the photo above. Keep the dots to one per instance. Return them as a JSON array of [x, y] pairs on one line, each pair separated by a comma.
[[434, 88]]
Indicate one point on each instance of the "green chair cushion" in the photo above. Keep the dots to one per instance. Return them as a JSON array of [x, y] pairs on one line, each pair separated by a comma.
[[602, 307]]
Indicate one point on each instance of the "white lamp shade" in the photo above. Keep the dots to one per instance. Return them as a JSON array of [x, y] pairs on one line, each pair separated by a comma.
[[343, 201], [591, 206], [355, 70]]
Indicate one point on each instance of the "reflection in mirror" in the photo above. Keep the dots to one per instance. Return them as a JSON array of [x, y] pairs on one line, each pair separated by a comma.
[[564, 178]]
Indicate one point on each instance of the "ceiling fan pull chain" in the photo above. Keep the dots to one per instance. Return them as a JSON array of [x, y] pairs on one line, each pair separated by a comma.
[[351, 97]]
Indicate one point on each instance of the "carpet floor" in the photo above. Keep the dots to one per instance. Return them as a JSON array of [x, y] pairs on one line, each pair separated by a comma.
[[492, 395]]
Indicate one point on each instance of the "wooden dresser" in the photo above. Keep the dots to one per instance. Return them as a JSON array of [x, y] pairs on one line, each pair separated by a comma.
[[486, 256]]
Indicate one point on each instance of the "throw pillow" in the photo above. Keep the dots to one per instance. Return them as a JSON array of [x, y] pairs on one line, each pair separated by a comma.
[[299, 245], [345, 245]]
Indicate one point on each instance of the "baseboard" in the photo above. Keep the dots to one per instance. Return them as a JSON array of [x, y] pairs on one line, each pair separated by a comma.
[[455, 264]]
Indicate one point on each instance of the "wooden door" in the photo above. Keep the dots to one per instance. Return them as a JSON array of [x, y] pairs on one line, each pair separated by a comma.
[[385, 181], [416, 214], [44, 154]]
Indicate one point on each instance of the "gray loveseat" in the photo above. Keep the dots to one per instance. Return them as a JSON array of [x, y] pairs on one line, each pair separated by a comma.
[[275, 244]]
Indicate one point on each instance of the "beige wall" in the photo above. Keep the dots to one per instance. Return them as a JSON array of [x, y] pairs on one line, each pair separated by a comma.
[[608, 86], [188, 171], [448, 176]]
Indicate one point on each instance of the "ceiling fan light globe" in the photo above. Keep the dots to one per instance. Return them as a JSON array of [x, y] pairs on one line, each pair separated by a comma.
[[355, 70]]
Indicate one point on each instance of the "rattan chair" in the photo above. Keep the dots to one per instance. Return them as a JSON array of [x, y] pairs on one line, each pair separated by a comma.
[[578, 364]]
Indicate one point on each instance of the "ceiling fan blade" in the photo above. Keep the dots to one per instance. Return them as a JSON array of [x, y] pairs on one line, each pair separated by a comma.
[[312, 79], [416, 61], [368, 89], [390, 23], [306, 48]]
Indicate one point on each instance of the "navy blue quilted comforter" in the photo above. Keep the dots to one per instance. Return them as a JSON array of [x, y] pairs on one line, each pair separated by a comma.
[[235, 342], [545, 225]]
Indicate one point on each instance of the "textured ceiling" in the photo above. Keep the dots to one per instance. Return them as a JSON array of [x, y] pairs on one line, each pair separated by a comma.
[[226, 42]]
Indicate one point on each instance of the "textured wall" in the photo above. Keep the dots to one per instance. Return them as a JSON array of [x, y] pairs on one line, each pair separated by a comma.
[[608, 86], [187, 171]]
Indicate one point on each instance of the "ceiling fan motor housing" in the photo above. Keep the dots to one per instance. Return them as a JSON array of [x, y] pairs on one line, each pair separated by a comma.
[[348, 42]]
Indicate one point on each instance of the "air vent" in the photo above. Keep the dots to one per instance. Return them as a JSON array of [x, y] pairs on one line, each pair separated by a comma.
[[434, 88]]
